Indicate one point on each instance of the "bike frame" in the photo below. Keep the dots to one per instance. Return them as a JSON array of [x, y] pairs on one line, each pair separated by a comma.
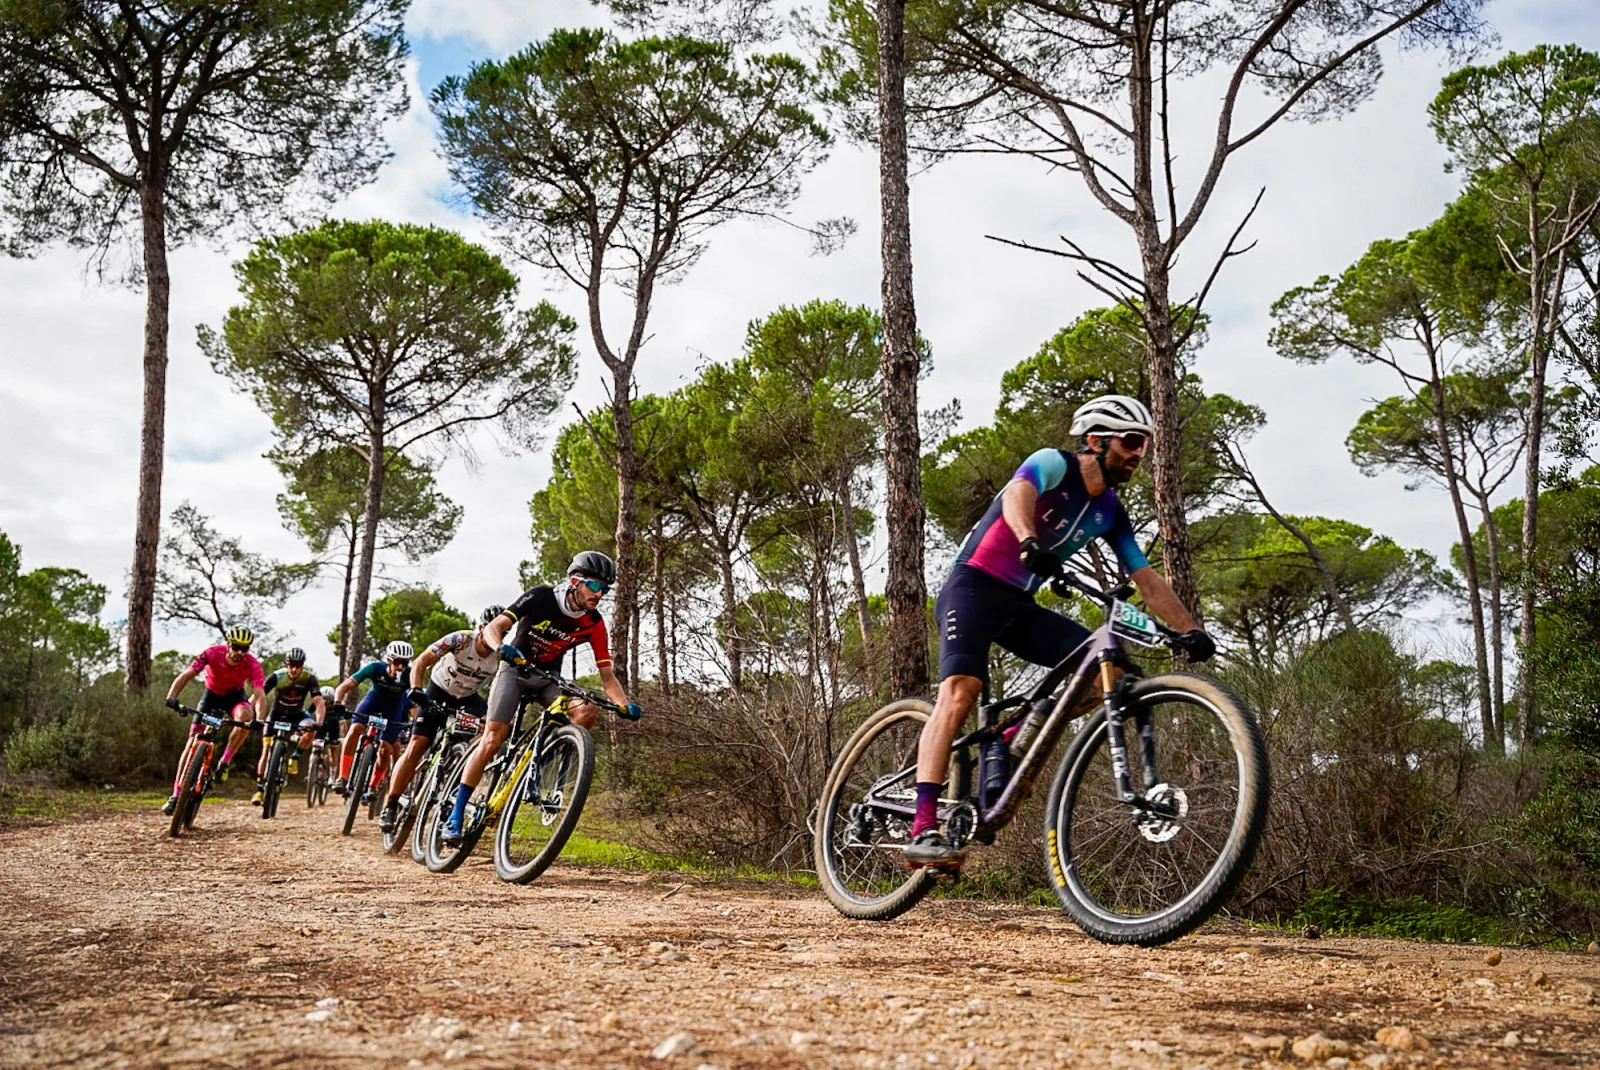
[[1099, 653]]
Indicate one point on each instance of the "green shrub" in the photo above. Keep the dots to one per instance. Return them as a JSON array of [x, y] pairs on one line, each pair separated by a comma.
[[106, 737]]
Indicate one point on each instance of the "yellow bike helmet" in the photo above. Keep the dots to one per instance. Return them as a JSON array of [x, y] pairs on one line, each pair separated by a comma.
[[239, 635]]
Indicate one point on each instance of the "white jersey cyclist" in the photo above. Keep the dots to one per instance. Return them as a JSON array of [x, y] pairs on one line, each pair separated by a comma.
[[461, 670]]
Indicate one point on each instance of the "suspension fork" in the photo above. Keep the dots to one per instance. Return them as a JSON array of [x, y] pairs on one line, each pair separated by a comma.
[[1116, 736]]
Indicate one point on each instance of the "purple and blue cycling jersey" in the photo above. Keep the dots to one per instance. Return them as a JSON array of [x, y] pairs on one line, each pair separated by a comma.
[[1066, 518]]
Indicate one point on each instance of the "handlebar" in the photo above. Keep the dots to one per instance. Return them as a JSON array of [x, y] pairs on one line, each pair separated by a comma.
[[567, 687], [1066, 582], [212, 719]]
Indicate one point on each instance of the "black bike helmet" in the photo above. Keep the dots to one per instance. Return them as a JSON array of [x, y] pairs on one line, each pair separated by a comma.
[[295, 656], [595, 565]]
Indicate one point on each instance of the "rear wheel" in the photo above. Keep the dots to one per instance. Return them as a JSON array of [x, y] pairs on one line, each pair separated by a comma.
[[857, 846], [440, 856], [545, 805], [1150, 875], [360, 772], [188, 792]]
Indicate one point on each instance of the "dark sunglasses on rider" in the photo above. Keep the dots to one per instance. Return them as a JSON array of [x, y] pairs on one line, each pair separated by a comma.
[[594, 585], [1132, 440], [237, 649]]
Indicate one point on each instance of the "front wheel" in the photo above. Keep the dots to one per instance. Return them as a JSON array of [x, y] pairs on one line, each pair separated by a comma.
[[360, 773], [188, 792], [313, 775], [1150, 873], [273, 786], [439, 856], [863, 821], [545, 805]]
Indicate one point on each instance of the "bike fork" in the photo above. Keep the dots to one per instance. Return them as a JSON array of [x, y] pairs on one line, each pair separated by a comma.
[[1117, 741]]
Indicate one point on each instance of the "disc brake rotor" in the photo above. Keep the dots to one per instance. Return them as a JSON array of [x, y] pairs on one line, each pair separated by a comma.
[[1159, 827]]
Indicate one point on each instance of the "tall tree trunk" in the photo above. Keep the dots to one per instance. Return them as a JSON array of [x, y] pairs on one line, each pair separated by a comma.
[[1161, 352], [372, 509], [627, 534], [730, 614], [858, 580], [1544, 311], [1469, 559], [658, 558], [152, 439], [345, 666], [905, 588], [1496, 620]]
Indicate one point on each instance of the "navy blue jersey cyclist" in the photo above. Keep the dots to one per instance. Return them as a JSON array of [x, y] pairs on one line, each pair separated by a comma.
[[390, 696], [1054, 504]]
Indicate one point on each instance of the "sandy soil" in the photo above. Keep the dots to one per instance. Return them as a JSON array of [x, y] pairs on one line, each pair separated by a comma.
[[253, 943]]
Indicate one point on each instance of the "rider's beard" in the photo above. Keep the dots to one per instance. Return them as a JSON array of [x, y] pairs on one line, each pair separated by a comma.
[[1116, 473]]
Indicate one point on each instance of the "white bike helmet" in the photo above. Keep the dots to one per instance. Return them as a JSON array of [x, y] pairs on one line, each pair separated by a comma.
[[1112, 412], [399, 650], [327, 694]]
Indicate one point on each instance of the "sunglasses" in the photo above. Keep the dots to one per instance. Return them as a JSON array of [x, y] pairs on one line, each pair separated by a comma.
[[1132, 440], [595, 585], [237, 649]]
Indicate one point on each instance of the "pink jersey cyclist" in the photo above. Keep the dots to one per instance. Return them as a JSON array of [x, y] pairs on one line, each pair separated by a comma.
[[221, 677]]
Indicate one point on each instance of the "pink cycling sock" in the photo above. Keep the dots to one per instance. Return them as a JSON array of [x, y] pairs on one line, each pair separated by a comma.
[[227, 755], [927, 815]]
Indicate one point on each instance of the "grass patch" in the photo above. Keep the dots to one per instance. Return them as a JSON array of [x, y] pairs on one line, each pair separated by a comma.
[[584, 850], [23, 803], [1409, 918]]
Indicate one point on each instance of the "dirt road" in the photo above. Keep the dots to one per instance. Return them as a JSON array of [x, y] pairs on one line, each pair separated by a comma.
[[251, 943]]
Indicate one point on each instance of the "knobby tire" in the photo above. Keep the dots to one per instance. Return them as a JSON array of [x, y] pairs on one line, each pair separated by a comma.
[[188, 792], [580, 769]]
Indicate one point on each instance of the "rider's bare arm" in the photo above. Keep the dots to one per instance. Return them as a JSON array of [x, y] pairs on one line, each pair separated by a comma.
[[612, 686], [341, 694], [181, 682], [494, 633], [420, 668], [1162, 600], [321, 707], [1017, 503]]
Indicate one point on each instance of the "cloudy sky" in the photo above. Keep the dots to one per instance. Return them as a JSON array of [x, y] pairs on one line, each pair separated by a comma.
[[70, 347]]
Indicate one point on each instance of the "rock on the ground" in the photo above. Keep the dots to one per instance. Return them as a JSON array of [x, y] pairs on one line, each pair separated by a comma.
[[1401, 1038], [1317, 1048], [1276, 1044], [1492, 958], [676, 1045]]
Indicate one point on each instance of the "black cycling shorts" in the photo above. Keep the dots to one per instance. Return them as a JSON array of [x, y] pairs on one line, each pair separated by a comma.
[[974, 610], [225, 703], [430, 722]]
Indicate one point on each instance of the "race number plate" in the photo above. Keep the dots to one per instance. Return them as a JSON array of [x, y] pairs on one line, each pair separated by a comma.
[[1130, 622]]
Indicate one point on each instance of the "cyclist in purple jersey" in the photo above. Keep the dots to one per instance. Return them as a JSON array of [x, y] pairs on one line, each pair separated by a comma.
[[1054, 504]]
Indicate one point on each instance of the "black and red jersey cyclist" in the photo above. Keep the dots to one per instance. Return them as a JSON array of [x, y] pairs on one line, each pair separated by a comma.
[[1054, 504], [545, 623], [233, 681]]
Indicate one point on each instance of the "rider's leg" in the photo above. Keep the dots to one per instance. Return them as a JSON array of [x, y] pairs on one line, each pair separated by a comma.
[[957, 694], [237, 737], [347, 754], [406, 767], [583, 714]]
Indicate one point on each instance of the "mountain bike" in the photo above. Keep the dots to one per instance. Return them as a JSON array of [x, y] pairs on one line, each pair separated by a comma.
[[281, 739], [531, 794], [196, 779], [448, 747], [1143, 842], [319, 772], [361, 772]]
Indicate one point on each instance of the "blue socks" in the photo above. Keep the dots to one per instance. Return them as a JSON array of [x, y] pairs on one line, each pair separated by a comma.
[[927, 816], [459, 814]]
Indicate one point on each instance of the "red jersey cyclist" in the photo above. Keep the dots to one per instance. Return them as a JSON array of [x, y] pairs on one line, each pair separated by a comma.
[[545, 623], [233, 680]]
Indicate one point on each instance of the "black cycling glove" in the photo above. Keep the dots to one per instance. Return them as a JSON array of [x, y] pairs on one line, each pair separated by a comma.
[[174, 704], [1039, 560], [1197, 646]]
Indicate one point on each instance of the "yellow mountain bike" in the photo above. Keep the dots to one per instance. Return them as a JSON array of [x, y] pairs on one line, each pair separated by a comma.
[[531, 794]]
